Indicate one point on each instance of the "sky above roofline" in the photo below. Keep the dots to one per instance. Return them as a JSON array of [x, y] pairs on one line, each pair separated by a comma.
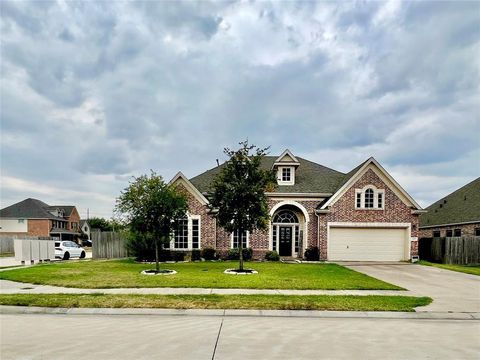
[[94, 93]]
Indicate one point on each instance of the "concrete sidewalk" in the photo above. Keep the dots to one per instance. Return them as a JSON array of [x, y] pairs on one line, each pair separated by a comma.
[[12, 287], [424, 315]]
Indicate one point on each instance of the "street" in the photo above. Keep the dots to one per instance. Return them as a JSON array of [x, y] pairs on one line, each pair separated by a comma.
[[50, 336]]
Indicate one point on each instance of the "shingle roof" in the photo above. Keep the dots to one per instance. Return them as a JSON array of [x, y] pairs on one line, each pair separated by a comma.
[[463, 205], [310, 177], [67, 209], [29, 209]]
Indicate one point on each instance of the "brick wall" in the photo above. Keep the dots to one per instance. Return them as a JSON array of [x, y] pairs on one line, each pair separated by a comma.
[[74, 218], [40, 227], [467, 229], [343, 210]]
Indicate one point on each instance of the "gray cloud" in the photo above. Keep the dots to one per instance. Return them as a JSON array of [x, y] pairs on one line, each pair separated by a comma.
[[93, 93]]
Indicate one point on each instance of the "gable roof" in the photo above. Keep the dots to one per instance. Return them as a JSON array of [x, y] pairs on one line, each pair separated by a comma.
[[310, 177], [67, 209], [29, 209], [463, 205], [358, 171], [190, 187], [291, 159]]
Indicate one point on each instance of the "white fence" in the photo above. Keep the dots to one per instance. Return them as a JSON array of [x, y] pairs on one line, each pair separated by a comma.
[[30, 250]]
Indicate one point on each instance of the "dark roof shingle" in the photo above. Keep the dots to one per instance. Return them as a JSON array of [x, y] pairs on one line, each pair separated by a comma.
[[30, 209], [463, 205]]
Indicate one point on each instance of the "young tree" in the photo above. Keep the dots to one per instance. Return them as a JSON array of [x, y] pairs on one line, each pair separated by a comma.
[[238, 192], [150, 207]]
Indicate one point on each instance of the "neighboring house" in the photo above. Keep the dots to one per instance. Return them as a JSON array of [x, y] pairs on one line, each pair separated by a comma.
[[362, 215], [33, 217], [456, 214], [85, 228]]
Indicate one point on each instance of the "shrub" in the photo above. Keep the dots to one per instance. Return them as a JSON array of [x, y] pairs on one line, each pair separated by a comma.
[[312, 253], [209, 253], [178, 255], [272, 256], [233, 254], [196, 255]]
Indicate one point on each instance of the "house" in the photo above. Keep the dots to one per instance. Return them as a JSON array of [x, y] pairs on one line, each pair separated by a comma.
[[33, 217], [456, 214], [85, 228], [362, 215]]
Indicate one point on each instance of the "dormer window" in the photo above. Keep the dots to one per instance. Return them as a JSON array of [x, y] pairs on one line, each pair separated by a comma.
[[369, 198], [286, 175]]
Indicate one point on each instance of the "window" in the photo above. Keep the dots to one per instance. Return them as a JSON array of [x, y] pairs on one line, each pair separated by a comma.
[[236, 238], [369, 198], [181, 234], [286, 174], [477, 231], [195, 234], [449, 233], [436, 233], [457, 232], [285, 217]]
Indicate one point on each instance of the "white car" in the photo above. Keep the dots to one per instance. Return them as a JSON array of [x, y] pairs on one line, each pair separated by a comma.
[[68, 249]]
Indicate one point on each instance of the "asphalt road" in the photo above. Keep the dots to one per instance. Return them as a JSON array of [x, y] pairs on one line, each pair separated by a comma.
[[46, 336]]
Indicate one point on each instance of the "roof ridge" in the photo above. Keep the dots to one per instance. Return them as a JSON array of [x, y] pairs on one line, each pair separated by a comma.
[[453, 192]]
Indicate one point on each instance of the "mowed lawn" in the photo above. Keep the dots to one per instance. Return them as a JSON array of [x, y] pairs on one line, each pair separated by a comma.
[[261, 302], [97, 274], [467, 269]]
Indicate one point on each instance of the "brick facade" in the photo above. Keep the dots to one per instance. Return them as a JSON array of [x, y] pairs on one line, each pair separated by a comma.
[[315, 230], [467, 229]]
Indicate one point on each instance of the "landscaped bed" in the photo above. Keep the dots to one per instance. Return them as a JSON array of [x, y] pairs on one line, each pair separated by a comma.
[[97, 274], [468, 269], [263, 302]]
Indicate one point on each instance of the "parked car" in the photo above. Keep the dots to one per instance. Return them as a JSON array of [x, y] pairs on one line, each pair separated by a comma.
[[68, 249], [86, 242]]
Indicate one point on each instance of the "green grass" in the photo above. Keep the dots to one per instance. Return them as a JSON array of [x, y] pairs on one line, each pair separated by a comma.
[[271, 302], [467, 269], [98, 274]]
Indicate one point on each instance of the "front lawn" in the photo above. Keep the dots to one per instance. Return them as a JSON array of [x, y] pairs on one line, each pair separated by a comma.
[[263, 302], [96, 274], [467, 269]]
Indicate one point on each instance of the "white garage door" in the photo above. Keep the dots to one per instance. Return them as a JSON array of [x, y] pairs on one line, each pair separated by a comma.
[[367, 244]]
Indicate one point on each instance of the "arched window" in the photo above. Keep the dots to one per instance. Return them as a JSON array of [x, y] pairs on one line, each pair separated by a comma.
[[369, 195], [285, 217]]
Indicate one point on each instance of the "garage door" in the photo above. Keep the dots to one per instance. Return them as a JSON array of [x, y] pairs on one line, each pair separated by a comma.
[[367, 244]]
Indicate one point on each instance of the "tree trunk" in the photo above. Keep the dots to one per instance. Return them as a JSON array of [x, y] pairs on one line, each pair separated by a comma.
[[157, 264], [240, 248]]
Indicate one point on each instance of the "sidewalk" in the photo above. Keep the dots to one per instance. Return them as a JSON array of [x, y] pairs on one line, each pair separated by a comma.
[[424, 315], [12, 287]]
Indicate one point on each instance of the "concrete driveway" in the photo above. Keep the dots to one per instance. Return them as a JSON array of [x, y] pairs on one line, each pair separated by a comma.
[[450, 290]]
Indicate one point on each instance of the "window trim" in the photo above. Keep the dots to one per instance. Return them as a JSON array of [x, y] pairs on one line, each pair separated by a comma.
[[280, 180], [189, 234], [376, 192], [231, 240]]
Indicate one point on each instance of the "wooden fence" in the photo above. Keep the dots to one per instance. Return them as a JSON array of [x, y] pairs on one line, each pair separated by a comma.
[[108, 245], [463, 250], [6, 245]]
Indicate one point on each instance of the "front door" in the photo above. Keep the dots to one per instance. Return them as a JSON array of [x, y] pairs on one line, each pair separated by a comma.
[[285, 241]]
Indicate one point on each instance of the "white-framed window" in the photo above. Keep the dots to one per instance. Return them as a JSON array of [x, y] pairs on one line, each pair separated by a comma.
[[186, 234], [234, 239], [370, 198], [286, 175]]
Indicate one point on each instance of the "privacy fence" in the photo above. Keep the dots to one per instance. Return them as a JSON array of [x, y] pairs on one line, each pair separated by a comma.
[[108, 245], [7, 242], [463, 250]]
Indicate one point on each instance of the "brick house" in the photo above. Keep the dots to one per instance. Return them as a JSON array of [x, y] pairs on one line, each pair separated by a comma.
[[33, 217], [456, 214], [361, 215]]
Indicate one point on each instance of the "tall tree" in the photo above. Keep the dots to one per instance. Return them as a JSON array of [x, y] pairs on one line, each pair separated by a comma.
[[238, 192], [150, 207]]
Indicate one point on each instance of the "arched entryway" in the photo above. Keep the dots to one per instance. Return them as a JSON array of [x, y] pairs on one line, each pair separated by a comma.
[[287, 230]]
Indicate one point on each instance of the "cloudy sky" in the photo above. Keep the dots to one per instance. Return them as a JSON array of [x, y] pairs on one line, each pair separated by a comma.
[[93, 93]]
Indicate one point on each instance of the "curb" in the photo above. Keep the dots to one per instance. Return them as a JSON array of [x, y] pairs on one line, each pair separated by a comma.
[[16, 310]]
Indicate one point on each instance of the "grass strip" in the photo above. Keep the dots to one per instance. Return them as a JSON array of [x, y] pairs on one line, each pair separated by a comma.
[[467, 269], [260, 302]]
